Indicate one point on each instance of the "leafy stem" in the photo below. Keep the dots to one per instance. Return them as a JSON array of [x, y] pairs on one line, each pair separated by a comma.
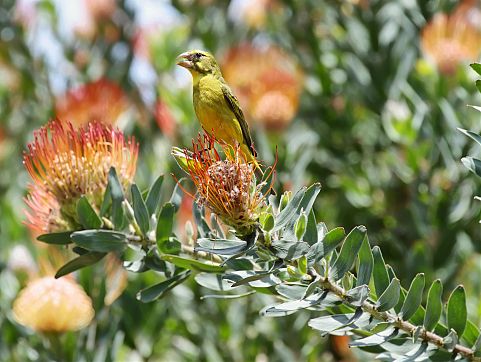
[[389, 317]]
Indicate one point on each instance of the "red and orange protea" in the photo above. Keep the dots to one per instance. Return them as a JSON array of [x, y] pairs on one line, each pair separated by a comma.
[[66, 163], [227, 186], [103, 101], [267, 82], [448, 40]]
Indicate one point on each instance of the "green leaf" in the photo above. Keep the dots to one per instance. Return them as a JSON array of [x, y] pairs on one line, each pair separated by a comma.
[[260, 279], [203, 228], [165, 223], [300, 226], [140, 210], [227, 296], [323, 247], [291, 291], [153, 197], [450, 341], [106, 201], [434, 305], [100, 240], [304, 206], [390, 297], [117, 194], [170, 246], [348, 252], [192, 264], [213, 282], [268, 222], [289, 211], [216, 226], [337, 322], [476, 137], [472, 164], [476, 67], [289, 250], [87, 215], [285, 199], [471, 333], [457, 312], [176, 198], [79, 262], [158, 290], [62, 238], [302, 264], [478, 85], [221, 246], [414, 297], [358, 295], [380, 275], [310, 236], [366, 263], [377, 338]]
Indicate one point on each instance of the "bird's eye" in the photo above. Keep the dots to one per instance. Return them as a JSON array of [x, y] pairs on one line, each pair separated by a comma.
[[199, 55]]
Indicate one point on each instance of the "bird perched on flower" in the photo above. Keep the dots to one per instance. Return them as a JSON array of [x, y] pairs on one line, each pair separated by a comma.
[[215, 105]]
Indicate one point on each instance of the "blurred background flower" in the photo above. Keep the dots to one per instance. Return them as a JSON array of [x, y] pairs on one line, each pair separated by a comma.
[[101, 101], [53, 305], [267, 82], [449, 40]]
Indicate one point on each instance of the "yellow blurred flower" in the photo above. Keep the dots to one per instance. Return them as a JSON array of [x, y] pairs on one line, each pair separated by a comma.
[[267, 82], [102, 100], [448, 40], [53, 305], [66, 163]]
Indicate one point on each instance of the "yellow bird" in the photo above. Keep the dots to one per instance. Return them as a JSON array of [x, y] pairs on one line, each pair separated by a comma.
[[216, 107]]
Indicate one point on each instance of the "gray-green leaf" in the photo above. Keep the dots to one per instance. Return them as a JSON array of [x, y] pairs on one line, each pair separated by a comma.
[[434, 305]]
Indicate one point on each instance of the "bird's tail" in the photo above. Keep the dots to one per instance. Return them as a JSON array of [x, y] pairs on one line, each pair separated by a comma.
[[251, 158]]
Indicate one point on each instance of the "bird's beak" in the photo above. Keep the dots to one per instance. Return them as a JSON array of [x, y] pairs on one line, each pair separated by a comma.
[[185, 60]]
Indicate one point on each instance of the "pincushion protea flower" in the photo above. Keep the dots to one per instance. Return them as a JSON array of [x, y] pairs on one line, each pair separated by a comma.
[[267, 82], [53, 305], [449, 40], [227, 186], [101, 100], [65, 164]]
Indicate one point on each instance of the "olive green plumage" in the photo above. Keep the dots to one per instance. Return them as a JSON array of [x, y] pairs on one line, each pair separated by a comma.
[[215, 105]]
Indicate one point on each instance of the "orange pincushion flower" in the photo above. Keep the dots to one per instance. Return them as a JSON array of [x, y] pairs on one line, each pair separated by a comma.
[[102, 100], [226, 186], [66, 163], [449, 40], [267, 82], [53, 305]]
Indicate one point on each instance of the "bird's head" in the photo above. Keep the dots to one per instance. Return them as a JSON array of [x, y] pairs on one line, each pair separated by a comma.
[[199, 62]]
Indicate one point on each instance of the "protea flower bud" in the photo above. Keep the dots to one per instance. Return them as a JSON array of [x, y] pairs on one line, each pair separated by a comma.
[[227, 186], [53, 305], [66, 163]]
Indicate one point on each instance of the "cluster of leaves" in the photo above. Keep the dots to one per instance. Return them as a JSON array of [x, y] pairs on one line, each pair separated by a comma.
[[290, 255]]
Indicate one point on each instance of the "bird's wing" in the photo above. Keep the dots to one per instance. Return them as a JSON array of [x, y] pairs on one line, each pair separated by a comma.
[[234, 105]]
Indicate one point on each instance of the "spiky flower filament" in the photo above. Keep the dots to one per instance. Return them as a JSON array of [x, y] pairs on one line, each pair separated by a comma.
[[66, 163], [226, 186]]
